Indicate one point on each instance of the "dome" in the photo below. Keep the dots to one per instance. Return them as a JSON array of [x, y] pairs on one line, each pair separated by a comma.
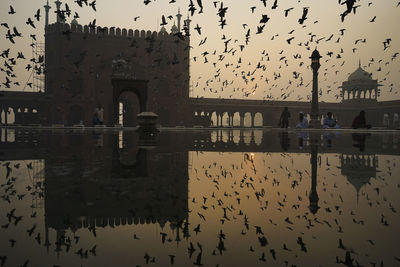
[[358, 171], [360, 74], [315, 54], [74, 22], [174, 29], [163, 30]]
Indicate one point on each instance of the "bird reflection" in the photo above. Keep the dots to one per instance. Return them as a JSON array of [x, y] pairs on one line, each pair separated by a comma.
[[125, 182]]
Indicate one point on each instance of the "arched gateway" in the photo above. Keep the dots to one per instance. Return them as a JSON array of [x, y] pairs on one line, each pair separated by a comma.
[[122, 85]]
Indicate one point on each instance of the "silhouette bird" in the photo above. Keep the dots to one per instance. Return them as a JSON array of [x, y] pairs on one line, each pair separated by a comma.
[[171, 259], [304, 16], [199, 2], [12, 11], [373, 19], [264, 19], [198, 260], [30, 22], [93, 5], [287, 11], [37, 15], [275, 5], [163, 21]]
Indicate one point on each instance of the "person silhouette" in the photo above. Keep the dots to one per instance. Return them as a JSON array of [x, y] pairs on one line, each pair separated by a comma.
[[284, 119], [303, 122], [360, 121], [330, 122]]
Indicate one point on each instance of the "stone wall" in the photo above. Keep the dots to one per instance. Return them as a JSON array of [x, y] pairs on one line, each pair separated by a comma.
[[79, 70]]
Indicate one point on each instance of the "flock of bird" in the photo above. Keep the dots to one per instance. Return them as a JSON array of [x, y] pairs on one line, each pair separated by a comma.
[[235, 76], [258, 199]]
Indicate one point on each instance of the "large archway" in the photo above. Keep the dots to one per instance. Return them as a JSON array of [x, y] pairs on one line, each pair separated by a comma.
[[236, 119], [247, 119], [120, 89], [258, 120], [129, 108]]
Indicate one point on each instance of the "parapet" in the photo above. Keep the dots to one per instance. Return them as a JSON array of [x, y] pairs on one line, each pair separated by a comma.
[[104, 31]]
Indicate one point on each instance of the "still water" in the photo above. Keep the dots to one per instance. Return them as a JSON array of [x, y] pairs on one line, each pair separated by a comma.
[[199, 198]]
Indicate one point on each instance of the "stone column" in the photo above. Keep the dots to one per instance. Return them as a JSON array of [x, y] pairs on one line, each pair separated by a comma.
[[313, 197], [314, 122], [252, 138], [5, 117], [241, 137]]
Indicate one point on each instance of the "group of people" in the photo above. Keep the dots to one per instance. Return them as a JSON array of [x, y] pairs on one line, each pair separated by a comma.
[[329, 121]]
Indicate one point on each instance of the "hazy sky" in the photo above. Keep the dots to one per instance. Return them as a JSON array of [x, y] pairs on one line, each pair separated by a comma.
[[226, 78]]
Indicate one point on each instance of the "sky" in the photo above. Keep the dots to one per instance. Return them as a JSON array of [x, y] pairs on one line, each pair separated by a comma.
[[283, 73]]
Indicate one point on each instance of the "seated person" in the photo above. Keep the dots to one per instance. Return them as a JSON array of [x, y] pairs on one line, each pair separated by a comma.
[[360, 122], [330, 122], [303, 122]]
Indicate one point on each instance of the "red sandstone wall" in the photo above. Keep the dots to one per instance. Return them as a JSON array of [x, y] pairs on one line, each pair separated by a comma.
[[79, 71]]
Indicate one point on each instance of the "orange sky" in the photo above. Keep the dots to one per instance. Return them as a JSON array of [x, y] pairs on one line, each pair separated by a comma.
[[323, 21]]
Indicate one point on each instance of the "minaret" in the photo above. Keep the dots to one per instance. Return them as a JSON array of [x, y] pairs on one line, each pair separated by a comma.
[[179, 16], [187, 24], [315, 122], [47, 9], [58, 4], [313, 197]]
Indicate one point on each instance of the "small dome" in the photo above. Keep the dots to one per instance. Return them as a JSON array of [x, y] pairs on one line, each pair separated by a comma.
[[174, 29], [74, 22], [315, 54], [163, 30], [359, 74]]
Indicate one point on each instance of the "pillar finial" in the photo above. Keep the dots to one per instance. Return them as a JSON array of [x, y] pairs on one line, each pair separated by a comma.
[[47, 8], [179, 17]]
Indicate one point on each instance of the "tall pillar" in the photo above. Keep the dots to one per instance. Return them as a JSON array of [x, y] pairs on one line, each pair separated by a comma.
[[252, 138], [47, 8], [58, 6], [5, 117], [314, 122], [187, 24], [179, 17], [241, 137], [313, 197]]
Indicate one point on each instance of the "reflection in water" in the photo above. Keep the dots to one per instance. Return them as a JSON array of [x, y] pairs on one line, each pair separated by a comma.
[[284, 140], [233, 198]]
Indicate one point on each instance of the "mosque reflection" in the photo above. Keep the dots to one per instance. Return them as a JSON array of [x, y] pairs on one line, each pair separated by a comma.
[[116, 182], [108, 178]]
